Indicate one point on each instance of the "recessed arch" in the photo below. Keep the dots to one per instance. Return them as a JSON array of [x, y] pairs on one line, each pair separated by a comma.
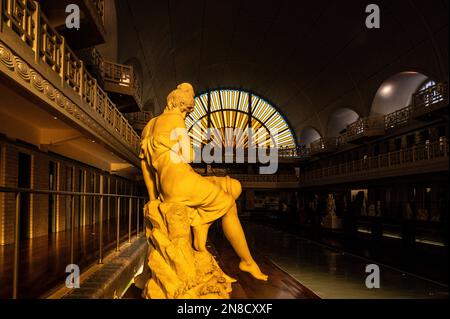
[[238, 109], [339, 119], [396, 92], [309, 134]]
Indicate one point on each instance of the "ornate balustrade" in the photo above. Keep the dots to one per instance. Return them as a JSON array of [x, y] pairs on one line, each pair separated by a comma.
[[122, 79], [365, 128], [324, 146], [116, 77], [31, 50], [138, 120], [398, 118], [296, 152], [267, 181], [430, 100], [397, 159]]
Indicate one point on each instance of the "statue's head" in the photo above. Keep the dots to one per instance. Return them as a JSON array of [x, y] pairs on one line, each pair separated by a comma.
[[182, 98]]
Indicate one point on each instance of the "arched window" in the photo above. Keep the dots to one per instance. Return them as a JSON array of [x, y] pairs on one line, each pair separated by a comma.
[[429, 93], [427, 85], [235, 109]]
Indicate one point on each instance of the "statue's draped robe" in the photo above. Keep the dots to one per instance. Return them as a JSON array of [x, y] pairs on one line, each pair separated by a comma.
[[177, 182], [185, 199]]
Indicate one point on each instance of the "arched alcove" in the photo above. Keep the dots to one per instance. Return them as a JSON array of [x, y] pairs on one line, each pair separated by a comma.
[[396, 92], [339, 120], [308, 135]]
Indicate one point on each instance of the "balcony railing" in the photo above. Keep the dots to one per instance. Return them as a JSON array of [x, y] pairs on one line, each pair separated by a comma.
[[365, 128], [429, 100], [424, 102], [323, 146], [139, 117], [24, 18], [122, 77], [398, 118], [295, 152], [395, 159], [251, 178]]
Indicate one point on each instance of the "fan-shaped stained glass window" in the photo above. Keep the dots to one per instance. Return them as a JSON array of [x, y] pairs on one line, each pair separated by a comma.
[[234, 109]]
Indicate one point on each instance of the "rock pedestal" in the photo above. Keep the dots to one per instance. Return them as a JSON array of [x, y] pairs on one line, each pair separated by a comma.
[[177, 270]]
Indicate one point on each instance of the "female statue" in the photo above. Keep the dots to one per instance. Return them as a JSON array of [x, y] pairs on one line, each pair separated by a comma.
[[165, 156]]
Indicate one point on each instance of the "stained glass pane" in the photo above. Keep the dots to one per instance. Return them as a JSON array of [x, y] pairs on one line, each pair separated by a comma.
[[229, 109]]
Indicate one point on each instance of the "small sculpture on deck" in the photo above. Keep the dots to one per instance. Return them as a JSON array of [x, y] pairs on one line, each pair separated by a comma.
[[183, 205]]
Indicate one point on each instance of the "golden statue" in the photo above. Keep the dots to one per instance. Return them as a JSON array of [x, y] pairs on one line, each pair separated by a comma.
[[181, 200]]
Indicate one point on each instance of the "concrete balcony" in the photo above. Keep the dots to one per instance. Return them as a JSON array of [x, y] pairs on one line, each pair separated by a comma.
[[323, 146], [431, 103], [365, 129], [419, 159], [36, 60], [92, 29]]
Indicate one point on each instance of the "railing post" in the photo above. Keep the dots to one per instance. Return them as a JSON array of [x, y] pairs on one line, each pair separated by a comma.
[[130, 208], [63, 63], [95, 97], [16, 247], [100, 249], [72, 217], [37, 31], [118, 225]]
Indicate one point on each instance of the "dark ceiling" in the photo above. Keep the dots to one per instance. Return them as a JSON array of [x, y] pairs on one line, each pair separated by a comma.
[[306, 57]]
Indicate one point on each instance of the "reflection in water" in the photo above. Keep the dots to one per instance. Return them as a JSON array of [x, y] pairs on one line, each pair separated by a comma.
[[333, 274]]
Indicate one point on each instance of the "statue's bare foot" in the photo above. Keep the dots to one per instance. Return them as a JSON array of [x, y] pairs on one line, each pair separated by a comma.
[[229, 279], [253, 269]]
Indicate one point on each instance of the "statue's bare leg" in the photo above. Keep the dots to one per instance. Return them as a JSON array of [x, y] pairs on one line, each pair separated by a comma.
[[235, 234], [200, 237]]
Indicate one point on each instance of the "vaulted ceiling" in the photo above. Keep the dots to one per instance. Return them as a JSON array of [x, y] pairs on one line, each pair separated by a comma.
[[306, 57]]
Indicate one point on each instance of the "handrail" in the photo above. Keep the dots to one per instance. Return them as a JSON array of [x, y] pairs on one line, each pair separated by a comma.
[[119, 197], [25, 19], [65, 193]]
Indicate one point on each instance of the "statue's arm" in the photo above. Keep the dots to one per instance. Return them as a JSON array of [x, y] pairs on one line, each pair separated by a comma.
[[149, 179]]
